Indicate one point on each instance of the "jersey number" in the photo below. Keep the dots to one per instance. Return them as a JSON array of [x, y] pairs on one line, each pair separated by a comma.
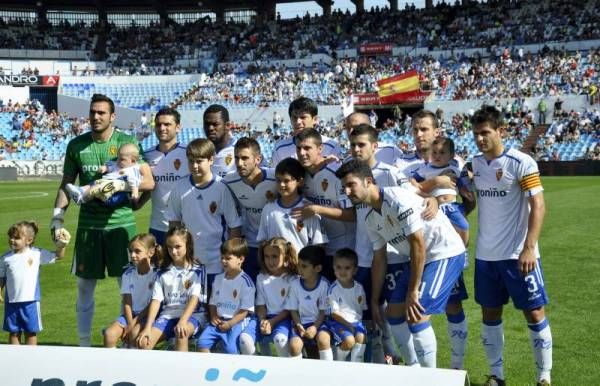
[[532, 285]]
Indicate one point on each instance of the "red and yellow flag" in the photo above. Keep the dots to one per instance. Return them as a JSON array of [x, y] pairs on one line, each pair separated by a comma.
[[398, 87]]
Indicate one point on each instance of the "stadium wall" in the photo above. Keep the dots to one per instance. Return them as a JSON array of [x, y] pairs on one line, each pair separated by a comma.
[[78, 107], [450, 108]]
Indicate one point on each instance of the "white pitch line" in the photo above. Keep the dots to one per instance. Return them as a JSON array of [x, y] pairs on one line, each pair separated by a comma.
[[26, 195]]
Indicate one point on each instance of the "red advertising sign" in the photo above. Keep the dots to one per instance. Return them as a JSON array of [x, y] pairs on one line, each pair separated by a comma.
[[413, 97], [375, 49]]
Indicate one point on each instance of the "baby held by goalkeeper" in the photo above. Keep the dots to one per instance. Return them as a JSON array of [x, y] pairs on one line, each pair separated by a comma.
[[120, 177]]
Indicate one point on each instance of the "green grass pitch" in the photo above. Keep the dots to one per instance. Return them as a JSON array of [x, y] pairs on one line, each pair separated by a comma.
[[570, 247]]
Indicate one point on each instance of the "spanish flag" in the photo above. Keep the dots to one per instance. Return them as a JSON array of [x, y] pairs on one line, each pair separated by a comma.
[[398, 87]]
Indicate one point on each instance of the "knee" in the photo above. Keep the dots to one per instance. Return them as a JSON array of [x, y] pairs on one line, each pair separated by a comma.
[[323, 340], [491, 314], [347, 343], [454, 308], [360, 338], [246, 344], [296, 346], [536, 315]]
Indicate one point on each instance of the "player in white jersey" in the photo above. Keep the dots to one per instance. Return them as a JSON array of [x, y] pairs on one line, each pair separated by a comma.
[[510, 215], [231, 304], [178, 295], [206, 206], [20, 274], [303, 114], [216, 128], [169, 164], [137, 284], [347, 301], [384, 152], [435, 249], [278, 261], [307, 303], [425, 131], [276, 219], [323, 188], [253, 187]]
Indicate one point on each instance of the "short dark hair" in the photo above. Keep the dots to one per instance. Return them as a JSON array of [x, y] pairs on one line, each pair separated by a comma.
[[365, 129], [247, 143], [358, 168], [217, 109], [426, 114], [348, 254], [313, 254], [236, 246], [445, 142], [168, 111], [303, 105], [488, 114], [309, 134], [103, 98], [290, 166]]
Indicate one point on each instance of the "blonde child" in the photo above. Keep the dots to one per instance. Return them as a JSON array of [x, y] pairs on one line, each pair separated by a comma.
[[19, 272], [125, 168], [178, 292], [276, 219], [307, 303], [346, 299], [136, 289], [231, 304], [278, 261]]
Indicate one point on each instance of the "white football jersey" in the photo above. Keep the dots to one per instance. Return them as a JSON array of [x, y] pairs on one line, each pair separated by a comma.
[[21, 272], [276, 221], [252, 200], [286, 148], [271, 291], [232, 295], [325, 189], [347, 302], [167, 169], [503, 187], [426, 171], [385, 175], [400, 216], [408, 163], [140, 287], [224, 160], [387, 153], [174, 286], [207, 213], [308, 302]]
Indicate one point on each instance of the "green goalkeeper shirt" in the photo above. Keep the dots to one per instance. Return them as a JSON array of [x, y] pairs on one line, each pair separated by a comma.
[[84, 158]]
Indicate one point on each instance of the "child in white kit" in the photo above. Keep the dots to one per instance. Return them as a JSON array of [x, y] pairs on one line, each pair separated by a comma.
[[347, 301], [307, 303], [19, 272], [231, 304], [137, 283], [278, 260]]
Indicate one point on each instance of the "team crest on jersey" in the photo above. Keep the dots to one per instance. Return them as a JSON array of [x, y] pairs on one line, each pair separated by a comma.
[[270, 195], [235, 294], [112, 150], [389, 220], [212, 207], [177, 164], [150, 285], [359, 300], [30, 261], [299, 225], [282, 292], [499, 173], [228, 159], [187, 284], [121, 172], [324, 184]]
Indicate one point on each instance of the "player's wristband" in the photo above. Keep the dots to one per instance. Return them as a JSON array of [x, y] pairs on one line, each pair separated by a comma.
[[58, 213]]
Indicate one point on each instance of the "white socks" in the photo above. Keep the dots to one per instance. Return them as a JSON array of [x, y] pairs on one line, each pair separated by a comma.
[[492, 338], [85, 310], [326, 355], [246, 343], [404, 340], [357, 353], [457, 334], [281, 345], [541, 343], [425, 343]]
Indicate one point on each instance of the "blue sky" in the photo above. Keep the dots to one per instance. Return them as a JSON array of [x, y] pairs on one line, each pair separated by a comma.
[[290, 10]]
